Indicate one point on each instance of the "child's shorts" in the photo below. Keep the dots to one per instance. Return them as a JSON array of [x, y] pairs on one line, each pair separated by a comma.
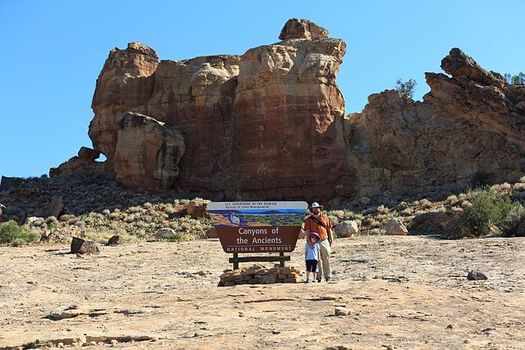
[[311, 265]]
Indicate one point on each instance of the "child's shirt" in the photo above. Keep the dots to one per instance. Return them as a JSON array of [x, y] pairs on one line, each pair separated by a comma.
[[312, 253]]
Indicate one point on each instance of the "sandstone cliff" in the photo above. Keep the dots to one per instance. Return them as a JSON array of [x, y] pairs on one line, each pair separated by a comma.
[[470, 124], [269, 124], [265, 125]]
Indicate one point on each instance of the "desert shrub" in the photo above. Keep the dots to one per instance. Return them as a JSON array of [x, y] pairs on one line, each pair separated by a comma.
[[403, 205], [516, 79], [180, 237], [52, 222], [10, 232], [514, 224], [481, 179], [336, 213], [406, 88], [486, 209]]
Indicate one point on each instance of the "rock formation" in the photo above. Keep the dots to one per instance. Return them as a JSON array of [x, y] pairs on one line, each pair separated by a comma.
[[470, 124], [147, 152], [85, 160], [265, 125], [270, 125]]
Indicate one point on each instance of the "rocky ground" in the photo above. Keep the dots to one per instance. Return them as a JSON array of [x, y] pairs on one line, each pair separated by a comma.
[[388, 292]]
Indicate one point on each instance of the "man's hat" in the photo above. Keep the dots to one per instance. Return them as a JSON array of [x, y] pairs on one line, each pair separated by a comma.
[[314, 234], [316, 205]]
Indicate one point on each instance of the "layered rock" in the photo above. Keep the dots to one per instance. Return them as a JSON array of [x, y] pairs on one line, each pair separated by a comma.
[[269, 125], [265, 125], [147, 152], [288, 112], [302, 29], [126, 82], [470, 123], [86, 160]]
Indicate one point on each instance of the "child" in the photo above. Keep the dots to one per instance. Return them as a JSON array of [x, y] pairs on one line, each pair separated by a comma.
[[311, 255]]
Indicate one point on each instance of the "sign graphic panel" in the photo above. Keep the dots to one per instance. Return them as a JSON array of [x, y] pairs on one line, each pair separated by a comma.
[[253, 227]]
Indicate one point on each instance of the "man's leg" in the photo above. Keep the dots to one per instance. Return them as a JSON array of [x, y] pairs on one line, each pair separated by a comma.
[[326, 250], [320, 269]]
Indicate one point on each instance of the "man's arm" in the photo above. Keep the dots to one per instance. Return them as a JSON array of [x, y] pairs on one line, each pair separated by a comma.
[[304, 228], [329, 231]]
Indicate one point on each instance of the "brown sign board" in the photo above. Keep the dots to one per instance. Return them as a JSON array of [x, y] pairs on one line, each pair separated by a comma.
[[257, 227]]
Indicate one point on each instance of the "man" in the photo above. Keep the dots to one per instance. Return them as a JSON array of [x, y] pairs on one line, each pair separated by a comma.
[[319, 223]]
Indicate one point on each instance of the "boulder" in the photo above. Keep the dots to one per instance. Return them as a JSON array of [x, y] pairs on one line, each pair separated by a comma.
[[212, 233], [83, 247], [84, 161], [53, 208], [347, 228], [114, 240], [475, 275], [2, 208], [164, 233], [395, 227], [147, 153], [432, 223], [197, 208], [302, 29]]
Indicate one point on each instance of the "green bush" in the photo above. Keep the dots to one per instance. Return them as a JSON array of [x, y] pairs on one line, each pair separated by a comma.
[[517, 79], [486, 209], [10, 232], [481, 179], [514, 224], [406, 88]]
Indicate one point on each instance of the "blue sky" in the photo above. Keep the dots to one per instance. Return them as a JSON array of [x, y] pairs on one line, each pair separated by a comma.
[[54, 50]]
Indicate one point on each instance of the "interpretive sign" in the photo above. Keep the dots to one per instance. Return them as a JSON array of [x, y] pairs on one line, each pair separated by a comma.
[[255, 227]]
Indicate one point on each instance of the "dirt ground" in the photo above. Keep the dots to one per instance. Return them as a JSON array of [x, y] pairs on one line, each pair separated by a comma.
[[387, 292]]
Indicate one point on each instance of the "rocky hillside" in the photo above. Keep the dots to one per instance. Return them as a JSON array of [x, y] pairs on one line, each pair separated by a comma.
[[469, 127], [95, 207]]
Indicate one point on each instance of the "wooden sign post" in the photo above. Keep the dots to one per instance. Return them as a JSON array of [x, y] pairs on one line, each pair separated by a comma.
[[257, 227]]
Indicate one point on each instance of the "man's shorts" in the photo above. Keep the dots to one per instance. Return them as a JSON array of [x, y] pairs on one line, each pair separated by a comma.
[[311, 265]]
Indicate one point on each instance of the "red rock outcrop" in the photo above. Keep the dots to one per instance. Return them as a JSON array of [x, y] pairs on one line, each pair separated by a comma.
[[270, 125], [147, 152], [84, 161], [302, 29], [288, 112], [125, 83], [470, 124], [265, 125]]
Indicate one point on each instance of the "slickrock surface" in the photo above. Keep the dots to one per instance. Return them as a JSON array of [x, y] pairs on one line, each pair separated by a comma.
[[387, 292]]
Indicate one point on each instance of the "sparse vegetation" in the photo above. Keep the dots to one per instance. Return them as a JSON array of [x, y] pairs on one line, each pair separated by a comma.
[[486, 210], [481, 179], [12, 233], [406, 88], [514, 224], [516, 79]]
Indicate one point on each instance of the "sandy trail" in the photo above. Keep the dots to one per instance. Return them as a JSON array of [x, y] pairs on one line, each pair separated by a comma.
[[400, 292]]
